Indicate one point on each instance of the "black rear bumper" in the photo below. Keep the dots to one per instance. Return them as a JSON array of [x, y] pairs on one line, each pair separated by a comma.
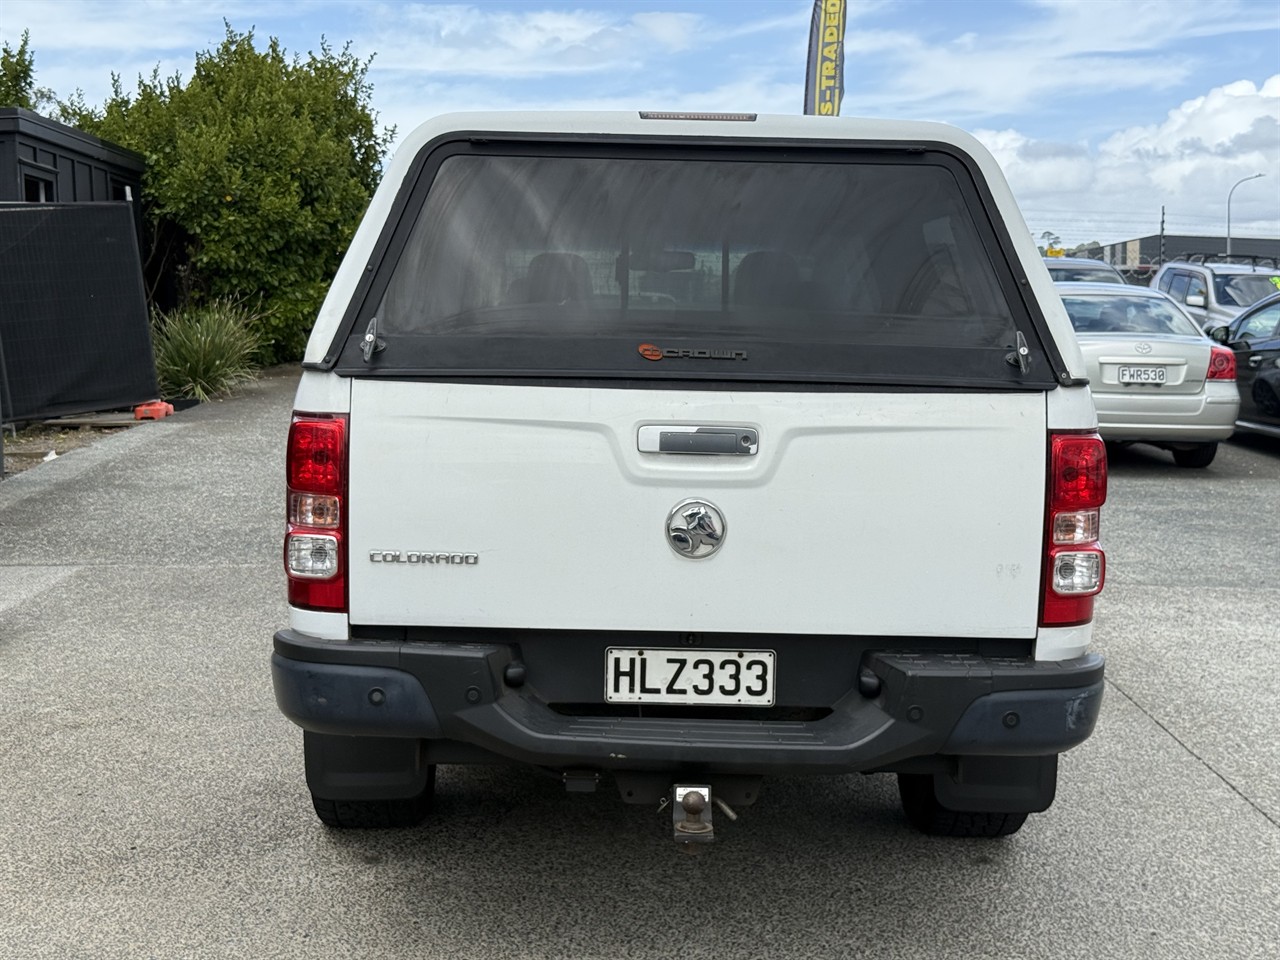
[[917, 705]]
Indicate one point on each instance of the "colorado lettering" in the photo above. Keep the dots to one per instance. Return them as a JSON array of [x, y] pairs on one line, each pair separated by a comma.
[[687, 354], [418, 557]]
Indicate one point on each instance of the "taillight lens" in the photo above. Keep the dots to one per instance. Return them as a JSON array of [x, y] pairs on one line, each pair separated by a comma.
[[317, 450], [1222, 364], [314, 510], [315, 537], [1075, 526], [1075, 565], [313, 557], [1078, 477]]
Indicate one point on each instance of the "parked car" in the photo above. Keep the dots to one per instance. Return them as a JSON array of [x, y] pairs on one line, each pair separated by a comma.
[[1156, 378], [1254, 336], [1082, 270], [814, 526], [1214, 292]]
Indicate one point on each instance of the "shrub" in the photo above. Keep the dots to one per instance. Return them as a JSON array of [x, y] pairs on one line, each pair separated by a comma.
[[259, 167], [205, 351]]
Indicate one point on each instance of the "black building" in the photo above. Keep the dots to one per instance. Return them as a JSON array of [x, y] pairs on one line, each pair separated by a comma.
[[1145, 251], [74, 332], [43, 161]]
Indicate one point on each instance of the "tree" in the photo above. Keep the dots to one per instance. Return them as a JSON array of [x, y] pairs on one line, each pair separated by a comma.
[[258, 171], [18, 78]]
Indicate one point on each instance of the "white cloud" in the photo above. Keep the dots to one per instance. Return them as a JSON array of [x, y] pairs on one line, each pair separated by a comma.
[[473, 40], [476, 41], [469, 57], [796, 22], [79, 26], [1188, 163], [1044, 49], [1202, 124], [674, 31]]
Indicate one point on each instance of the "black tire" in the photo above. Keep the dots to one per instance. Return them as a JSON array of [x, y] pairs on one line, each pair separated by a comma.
[[1265, 399], [1201, 455], [376, 814], [927, 815]]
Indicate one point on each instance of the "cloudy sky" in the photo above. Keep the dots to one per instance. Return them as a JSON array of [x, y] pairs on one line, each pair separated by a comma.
[[1100, 111]]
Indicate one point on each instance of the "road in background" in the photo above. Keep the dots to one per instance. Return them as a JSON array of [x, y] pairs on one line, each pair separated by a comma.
[[152, 800]]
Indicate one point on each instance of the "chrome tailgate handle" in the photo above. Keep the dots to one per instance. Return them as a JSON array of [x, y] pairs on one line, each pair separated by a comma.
[[714, 441]]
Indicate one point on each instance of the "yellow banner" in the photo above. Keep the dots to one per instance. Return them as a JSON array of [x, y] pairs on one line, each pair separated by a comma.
[[824, 78]]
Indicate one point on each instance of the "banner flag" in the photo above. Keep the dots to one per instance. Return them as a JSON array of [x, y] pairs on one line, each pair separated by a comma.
[[824, 78]]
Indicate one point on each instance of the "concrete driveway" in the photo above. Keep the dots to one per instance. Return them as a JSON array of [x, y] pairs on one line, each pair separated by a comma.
[[152, 801]]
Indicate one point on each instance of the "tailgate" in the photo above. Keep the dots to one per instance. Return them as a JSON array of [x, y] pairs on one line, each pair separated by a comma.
[[1146, 366], [860, 512]]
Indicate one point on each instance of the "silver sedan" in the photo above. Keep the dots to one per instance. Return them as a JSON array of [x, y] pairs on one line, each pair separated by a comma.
[[1156, 378]]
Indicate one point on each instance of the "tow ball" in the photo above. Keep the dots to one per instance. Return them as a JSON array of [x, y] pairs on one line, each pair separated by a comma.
[[691, 814]]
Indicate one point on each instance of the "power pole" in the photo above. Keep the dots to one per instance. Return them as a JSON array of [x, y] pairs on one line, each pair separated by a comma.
[[1162, 233]]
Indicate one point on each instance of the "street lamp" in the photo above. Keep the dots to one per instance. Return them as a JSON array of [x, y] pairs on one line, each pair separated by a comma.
[[1229, 192]]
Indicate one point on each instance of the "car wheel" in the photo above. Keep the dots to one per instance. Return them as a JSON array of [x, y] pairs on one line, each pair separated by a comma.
[[926, 814], [1264, 398], [1201, 455], [377, 814]]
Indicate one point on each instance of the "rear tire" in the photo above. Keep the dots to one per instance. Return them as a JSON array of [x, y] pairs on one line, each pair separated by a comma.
[[926, 814], [376, 814], [1201, 455]]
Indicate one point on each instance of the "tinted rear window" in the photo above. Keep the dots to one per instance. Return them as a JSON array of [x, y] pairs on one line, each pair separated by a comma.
[[746, 269]]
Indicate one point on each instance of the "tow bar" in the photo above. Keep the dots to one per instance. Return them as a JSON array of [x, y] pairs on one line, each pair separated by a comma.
[[691, 814]]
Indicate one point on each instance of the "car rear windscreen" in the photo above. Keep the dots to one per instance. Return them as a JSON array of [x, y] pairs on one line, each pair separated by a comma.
[[1120, 314], [1085, 275], [746, 269]]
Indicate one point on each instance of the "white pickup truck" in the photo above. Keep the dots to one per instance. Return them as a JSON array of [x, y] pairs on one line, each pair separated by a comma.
[[682, 450]]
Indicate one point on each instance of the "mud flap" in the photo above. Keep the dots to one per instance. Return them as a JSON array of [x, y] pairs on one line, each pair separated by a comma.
[[364, 768], [998, 784]]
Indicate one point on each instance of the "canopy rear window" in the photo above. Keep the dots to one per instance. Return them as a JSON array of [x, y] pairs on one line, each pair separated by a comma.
[[746, 268]]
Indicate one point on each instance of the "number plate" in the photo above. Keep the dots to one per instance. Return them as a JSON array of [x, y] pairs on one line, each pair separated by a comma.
[[708, 677], [1142, 374]]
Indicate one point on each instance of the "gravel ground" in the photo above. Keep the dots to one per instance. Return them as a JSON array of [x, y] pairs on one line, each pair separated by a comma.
[[33, 445]]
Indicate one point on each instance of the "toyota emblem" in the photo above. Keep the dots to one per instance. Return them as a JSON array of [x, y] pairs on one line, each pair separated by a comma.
[[1143, 347]]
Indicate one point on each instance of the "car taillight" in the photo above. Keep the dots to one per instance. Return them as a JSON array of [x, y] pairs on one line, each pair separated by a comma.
[[1075, 565], [1222, 364], [315, 552]]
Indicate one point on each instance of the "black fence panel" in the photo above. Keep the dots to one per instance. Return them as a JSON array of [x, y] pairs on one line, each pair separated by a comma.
[[74, 333]]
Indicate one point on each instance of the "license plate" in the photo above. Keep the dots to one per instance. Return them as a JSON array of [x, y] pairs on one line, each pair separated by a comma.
[[707, 677], [1142, 374]]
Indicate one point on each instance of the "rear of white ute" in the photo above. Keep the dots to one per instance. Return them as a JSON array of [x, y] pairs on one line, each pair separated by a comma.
[[682, 452]]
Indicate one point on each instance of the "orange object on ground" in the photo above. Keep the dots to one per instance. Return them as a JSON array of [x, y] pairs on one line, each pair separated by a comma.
[[153, 410]]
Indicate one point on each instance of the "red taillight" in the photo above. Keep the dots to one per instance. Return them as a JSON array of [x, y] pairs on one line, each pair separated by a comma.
[[316, 451], [1078, 472], [1074, 567], [315, 552], [1222, 364]]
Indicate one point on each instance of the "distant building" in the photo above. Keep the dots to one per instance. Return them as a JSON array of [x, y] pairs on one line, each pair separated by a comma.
[[70, 218], [1145, 251], [43, 161]]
